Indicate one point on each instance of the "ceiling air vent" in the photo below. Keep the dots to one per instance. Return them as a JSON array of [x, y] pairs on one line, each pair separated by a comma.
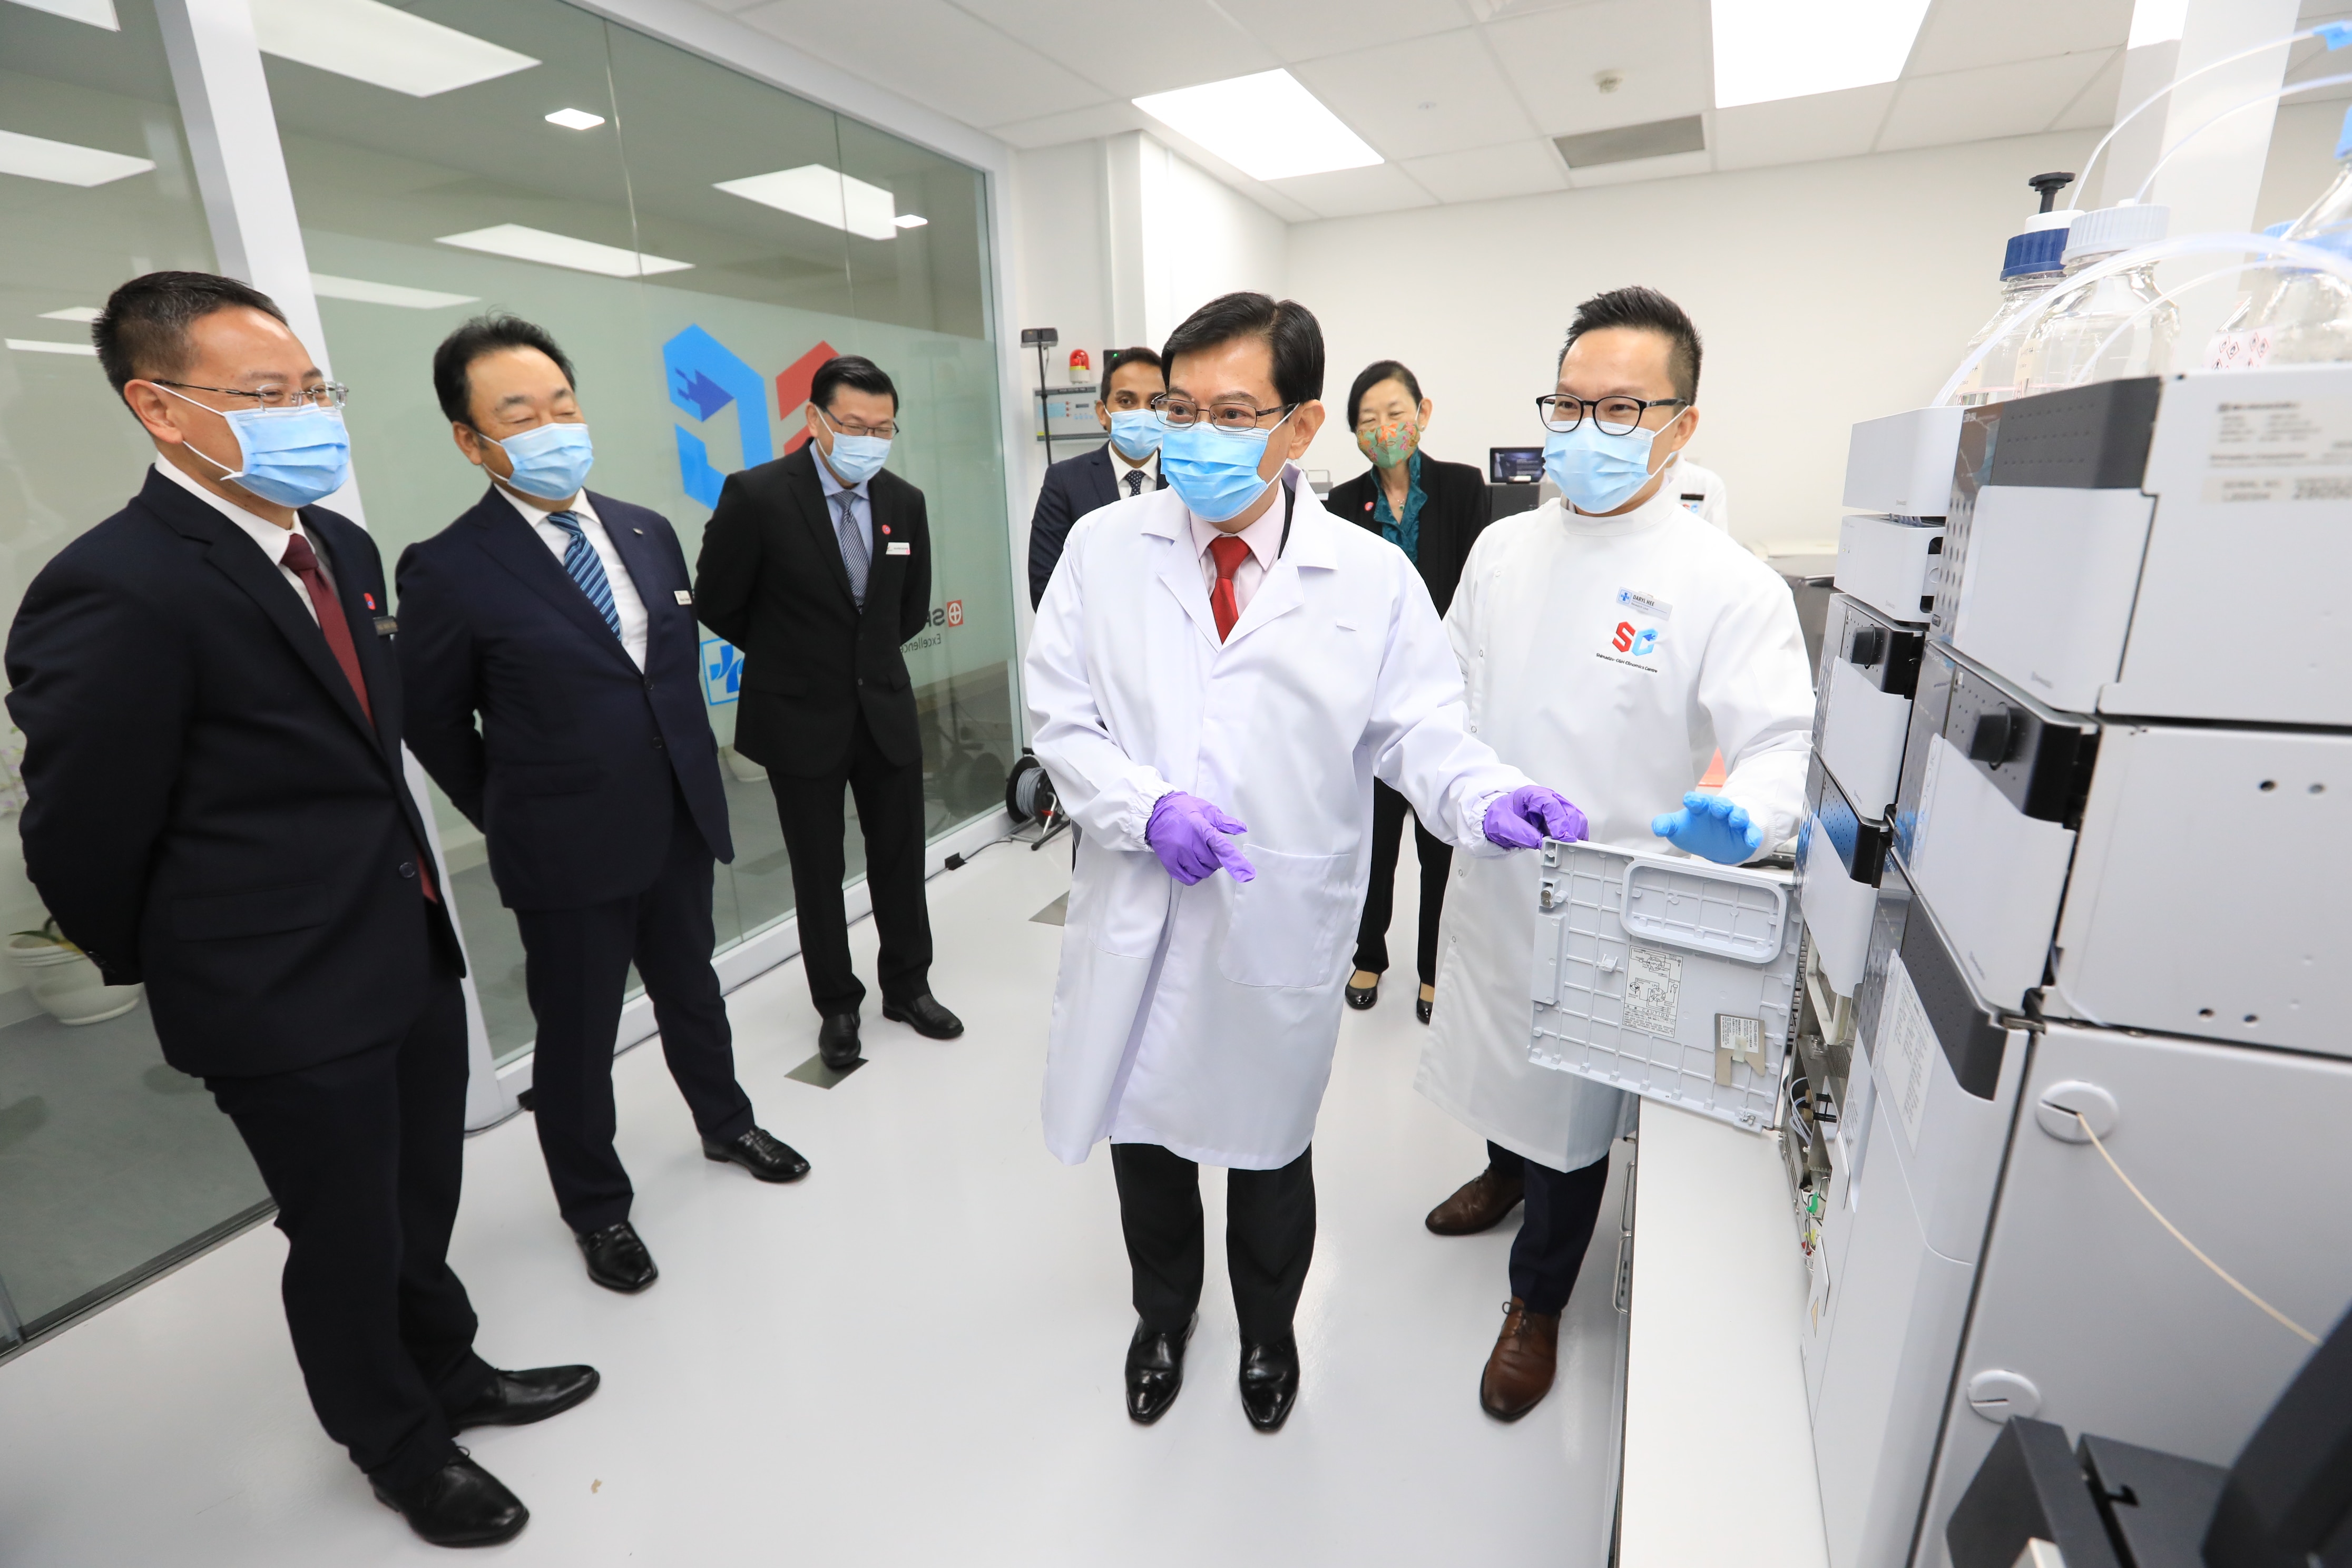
[[1623, 143]]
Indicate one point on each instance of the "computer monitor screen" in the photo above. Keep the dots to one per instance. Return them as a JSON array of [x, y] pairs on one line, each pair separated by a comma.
[[1514, 465]]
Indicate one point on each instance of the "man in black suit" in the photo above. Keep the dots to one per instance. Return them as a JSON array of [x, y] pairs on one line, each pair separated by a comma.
[[217, 807], [1076, 485], [818, 567], [561, 619]]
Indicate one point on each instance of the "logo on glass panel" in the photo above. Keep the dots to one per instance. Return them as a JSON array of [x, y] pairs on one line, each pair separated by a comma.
[[704, 377], [722, 671]]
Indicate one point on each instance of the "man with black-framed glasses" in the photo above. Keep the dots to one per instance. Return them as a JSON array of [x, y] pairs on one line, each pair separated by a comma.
[[818, 567], [1612, 640]]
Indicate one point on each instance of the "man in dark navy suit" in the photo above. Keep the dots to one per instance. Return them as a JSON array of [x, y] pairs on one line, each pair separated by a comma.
[[562, 619], [1076, 485], [218, 807]]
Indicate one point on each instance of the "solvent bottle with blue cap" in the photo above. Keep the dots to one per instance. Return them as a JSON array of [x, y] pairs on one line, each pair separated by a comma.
[[2027, 271]]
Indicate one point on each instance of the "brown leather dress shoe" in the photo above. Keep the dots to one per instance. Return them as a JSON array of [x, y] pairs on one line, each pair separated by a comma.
[[1478, 1204], [1520, 1367]]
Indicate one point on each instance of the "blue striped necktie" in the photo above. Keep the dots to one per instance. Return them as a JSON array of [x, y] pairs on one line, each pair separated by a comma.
[[580, 560]]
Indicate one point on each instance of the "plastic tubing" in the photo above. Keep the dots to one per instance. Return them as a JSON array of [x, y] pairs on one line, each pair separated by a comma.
[[2255, 102], [2308, 256], [2336, 35]]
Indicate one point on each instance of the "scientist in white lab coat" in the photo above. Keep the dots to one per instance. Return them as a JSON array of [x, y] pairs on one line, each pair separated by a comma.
[[1220, 653], [1611, 641]]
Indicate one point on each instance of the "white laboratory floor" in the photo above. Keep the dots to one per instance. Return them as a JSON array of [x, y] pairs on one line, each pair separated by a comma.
[[911, 1357]]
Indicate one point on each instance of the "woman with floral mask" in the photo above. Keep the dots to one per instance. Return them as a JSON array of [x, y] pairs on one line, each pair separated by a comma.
[[1432, 511]]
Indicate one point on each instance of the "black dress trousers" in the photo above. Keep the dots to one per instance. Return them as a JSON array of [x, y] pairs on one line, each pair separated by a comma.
[[1555, 1228], [1269, 1239], [890, 811], [1390, 813], [576, 970], [364, 1156]]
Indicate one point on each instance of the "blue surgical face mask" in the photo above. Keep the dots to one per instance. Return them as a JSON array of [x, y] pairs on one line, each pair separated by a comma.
[[292, 456], [856, 458], [551, 460], [1215, 471], [1597, 471], [1137, 432]]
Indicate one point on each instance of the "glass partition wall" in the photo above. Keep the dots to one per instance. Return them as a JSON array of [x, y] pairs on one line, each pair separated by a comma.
[[698, 242]]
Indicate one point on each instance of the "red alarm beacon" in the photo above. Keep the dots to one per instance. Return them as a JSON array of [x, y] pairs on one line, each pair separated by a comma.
[[1078, 360]]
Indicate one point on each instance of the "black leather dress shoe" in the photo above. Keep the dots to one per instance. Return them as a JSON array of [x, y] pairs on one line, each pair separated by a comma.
[[1155, 1371], [520, 1398], [761, 1156], [837, 1041], [924, 1015], [618, 1258], [1361, 997], [1423, 1003], [460, 1504], [1269, 1382]]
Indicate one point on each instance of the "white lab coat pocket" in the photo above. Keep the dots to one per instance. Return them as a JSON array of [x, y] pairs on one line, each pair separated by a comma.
[[1288, 922]]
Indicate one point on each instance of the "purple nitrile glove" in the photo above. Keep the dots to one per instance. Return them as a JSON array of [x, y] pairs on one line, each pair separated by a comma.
[[1188, 834], [1530, 814]]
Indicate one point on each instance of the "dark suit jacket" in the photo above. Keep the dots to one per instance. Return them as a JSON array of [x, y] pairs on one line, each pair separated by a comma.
[[209, 809], [1073, 488], [771, 581], [1454, 509], [569, 773]]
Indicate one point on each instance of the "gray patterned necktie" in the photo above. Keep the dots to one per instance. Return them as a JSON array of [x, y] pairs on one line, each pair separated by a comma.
[[1134, 482], [853, 553]]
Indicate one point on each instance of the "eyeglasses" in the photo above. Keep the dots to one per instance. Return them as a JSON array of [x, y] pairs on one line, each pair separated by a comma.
[[887, 430], [326, 394], [1615, 416], [1234, 415]]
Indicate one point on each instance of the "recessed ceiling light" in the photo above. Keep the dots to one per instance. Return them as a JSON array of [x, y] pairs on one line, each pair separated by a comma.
[[82, 313], [822, 195], [379, 44], [513, 240], [97, 13], [63, 162], [2156, 22], [576, 120], [327, 285], [40, 346], [1770, 50], [1267, 125], [910, 220]]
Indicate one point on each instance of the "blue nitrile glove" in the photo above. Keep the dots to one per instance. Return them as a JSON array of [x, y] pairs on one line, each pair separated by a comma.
[[1530, 814], [1712, 826], [1188, 834]]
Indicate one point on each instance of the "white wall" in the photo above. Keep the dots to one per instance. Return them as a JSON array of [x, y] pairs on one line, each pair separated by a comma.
[[1824, 293]]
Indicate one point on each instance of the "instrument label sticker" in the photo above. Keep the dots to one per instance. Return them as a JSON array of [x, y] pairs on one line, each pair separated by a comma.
[[1654, 991]]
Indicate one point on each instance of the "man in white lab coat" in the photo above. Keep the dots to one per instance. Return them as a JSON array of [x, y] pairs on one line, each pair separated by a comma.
[[1610, 640], [1226, 646]]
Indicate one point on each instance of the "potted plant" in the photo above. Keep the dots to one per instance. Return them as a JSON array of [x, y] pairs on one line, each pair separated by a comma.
[[64, 981]]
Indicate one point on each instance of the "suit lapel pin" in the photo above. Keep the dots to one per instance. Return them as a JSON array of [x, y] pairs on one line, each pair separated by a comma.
[[639, 532], [886, 528]]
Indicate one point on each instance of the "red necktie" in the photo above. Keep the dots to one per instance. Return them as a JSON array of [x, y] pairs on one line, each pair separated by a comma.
[[303, 561], [1229, 552]]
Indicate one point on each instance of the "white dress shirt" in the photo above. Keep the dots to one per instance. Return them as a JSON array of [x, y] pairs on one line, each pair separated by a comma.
[[1264, 539], [626, 601], [260, 530]]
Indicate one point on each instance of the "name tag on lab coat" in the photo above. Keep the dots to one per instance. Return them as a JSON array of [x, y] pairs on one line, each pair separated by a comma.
[[897, 550]]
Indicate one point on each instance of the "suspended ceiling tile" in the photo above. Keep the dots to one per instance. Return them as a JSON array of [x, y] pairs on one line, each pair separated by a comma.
[[1309, 29], [1960, 35], [1636, 170], [2095, 107], [1661, 47], [1130, 48], [1421, 98], [1991, 101], [1515, 169], [1347, 193], [1800, 130], [931, 52], [1074, 125]]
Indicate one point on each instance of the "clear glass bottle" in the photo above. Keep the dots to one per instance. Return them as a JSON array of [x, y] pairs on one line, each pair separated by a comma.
[[2118, 326], [2293, 315], [2030, 267]]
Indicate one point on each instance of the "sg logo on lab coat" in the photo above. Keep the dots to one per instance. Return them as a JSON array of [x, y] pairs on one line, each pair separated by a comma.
[[1638, 643]]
